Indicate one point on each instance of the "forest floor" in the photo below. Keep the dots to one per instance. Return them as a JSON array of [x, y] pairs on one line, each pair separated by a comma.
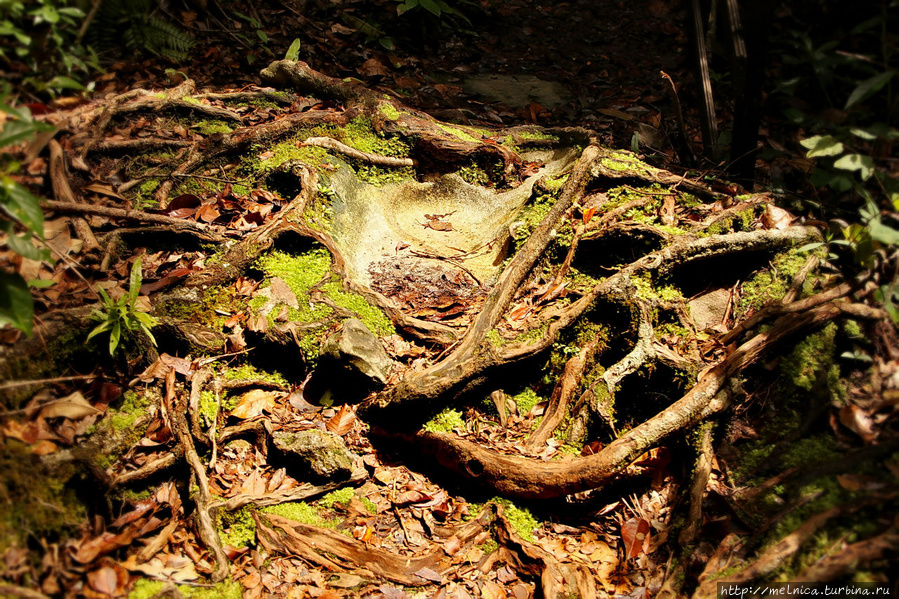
[[648, 381]]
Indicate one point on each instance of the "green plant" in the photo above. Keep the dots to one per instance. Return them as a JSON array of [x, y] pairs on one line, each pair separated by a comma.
[[138, 26], [123, 317], [44, 34], [21, 218]]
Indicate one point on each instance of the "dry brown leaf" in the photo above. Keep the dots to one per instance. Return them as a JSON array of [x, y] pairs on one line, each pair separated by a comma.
[[776, 218], [635, 534], [491, 590], [253, 403], [343, 421], [73, 407]]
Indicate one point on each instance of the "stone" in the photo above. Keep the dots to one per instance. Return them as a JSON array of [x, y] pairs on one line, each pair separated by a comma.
[[708, 309], [356, 348], [322, 452]]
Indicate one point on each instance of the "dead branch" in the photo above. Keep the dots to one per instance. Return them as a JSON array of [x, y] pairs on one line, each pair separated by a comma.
[[301, 493], [149, 144], [146, 471], [205, 525], [851, 558], [314, 544], [300, 76], [701, 473], [773, 557], [121, 213], [350, 152], [562, 393], [63, 193]]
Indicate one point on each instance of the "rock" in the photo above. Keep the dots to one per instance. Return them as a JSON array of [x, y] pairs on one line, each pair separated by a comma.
[[708, 309], [322, 452], [356, 348]]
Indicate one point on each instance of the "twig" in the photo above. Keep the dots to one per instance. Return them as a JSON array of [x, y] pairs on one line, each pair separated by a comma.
[[59, 379], [134, 215], [376, 159], [63, 193], [205, 525]]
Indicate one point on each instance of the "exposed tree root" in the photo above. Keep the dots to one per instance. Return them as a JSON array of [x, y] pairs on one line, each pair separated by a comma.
[[524, 477]]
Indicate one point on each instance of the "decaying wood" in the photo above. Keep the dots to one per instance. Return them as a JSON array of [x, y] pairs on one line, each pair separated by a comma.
[[62, 191], [701, 472], [130, 215]]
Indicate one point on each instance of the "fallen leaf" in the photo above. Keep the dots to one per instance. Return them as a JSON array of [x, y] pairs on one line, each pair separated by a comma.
[[73, 407], [253, 403], [343, 421], [429, 574], [491, 590], [588, 214], [858, 421], [105, 580], [635, 534], [776, 218], [667, 212]]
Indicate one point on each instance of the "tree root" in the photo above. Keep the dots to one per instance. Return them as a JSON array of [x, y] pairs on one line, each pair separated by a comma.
[[335, 551], [350, 152], [524, 477], [205, 526], [63, 193]]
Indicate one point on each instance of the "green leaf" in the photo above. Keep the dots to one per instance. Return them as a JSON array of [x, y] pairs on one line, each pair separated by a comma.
[[863, 134], [387, 43], [21, 205], [115, 336], [882, 233], [14, 132], [263, 36], [16, 304], [40, 283], [430, 6], [21, 244], [856, 162], [822, 145], [103, 326], [293, 52], [63, 82], [810, 246], [868, 88]]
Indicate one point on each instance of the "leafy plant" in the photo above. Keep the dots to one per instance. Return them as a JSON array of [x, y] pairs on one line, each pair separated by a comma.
[[44, 34], [137, 25], [21, 218], [122, 317]]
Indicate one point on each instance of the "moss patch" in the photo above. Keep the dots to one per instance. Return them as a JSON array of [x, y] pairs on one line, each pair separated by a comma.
[[372, 316], [145, 588], [445, 422], [522, 520], [237, 528]]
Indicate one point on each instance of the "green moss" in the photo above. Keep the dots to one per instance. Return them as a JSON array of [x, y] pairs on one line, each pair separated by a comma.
[[248, 372], [146, 588], [535, 134], [475, 175], [521, 519], [369, 505], [213, 127], [460, 133], [622, 161], [360, 134], [380, 176], [339, 496], [445, 422], [237, 528], [812, 360], [372, 316], [301, 511], [526, 400], [495, 339], [300, 272], [389, 110], [37, 500]]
